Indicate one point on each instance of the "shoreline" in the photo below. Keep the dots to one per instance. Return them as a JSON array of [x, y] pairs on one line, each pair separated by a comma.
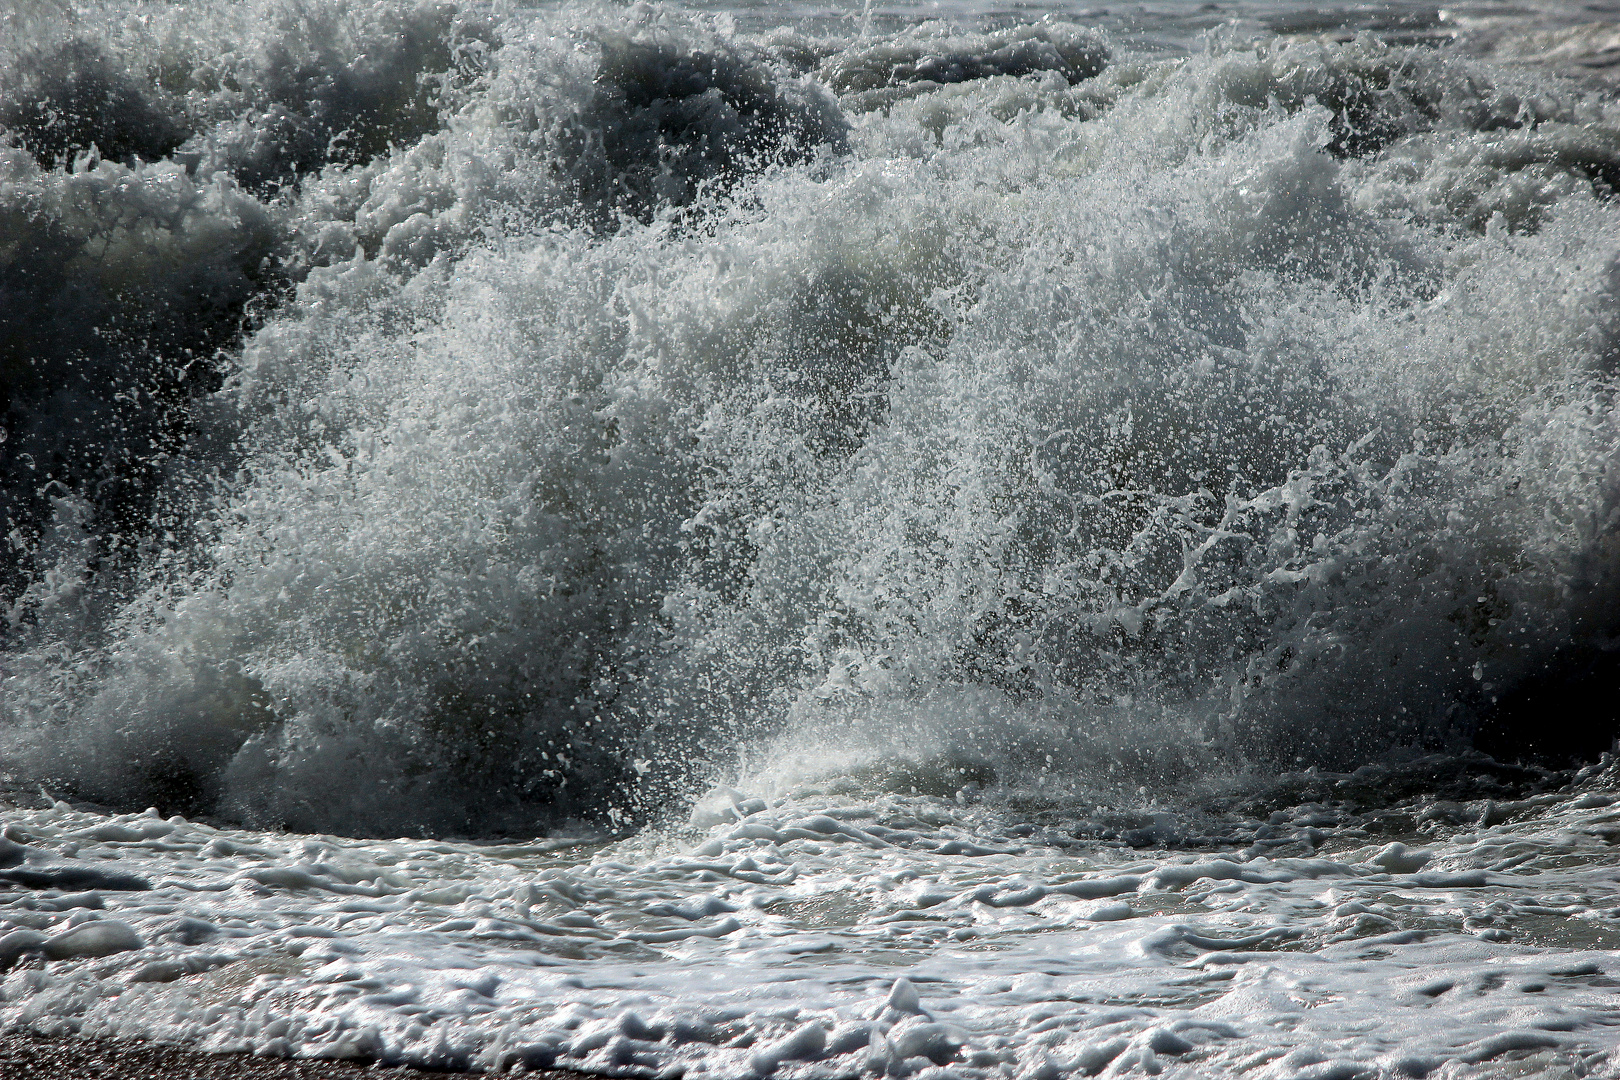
[[76, 1057]]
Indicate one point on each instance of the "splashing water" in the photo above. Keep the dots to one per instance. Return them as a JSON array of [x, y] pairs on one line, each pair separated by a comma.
[[982, 447], [614, 390]]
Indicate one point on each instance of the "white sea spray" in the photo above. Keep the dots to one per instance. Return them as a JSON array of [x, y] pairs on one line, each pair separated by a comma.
[[1149, 416], [986, 550]]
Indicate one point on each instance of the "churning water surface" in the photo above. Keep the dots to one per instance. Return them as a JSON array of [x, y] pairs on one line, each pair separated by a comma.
[[984, 541]]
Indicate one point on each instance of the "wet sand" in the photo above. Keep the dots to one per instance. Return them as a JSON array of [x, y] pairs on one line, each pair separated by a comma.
[[26, 1056]]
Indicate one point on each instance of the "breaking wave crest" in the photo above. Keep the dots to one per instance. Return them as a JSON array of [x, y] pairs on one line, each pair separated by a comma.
[[536, 418]]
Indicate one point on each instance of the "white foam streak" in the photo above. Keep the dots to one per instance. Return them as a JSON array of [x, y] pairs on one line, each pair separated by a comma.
[[820, 937]]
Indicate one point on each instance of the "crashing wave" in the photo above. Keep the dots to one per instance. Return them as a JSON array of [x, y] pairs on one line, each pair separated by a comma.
[[642, 396]]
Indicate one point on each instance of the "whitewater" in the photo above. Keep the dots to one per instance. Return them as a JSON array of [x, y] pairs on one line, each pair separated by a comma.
[[814, 540]]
